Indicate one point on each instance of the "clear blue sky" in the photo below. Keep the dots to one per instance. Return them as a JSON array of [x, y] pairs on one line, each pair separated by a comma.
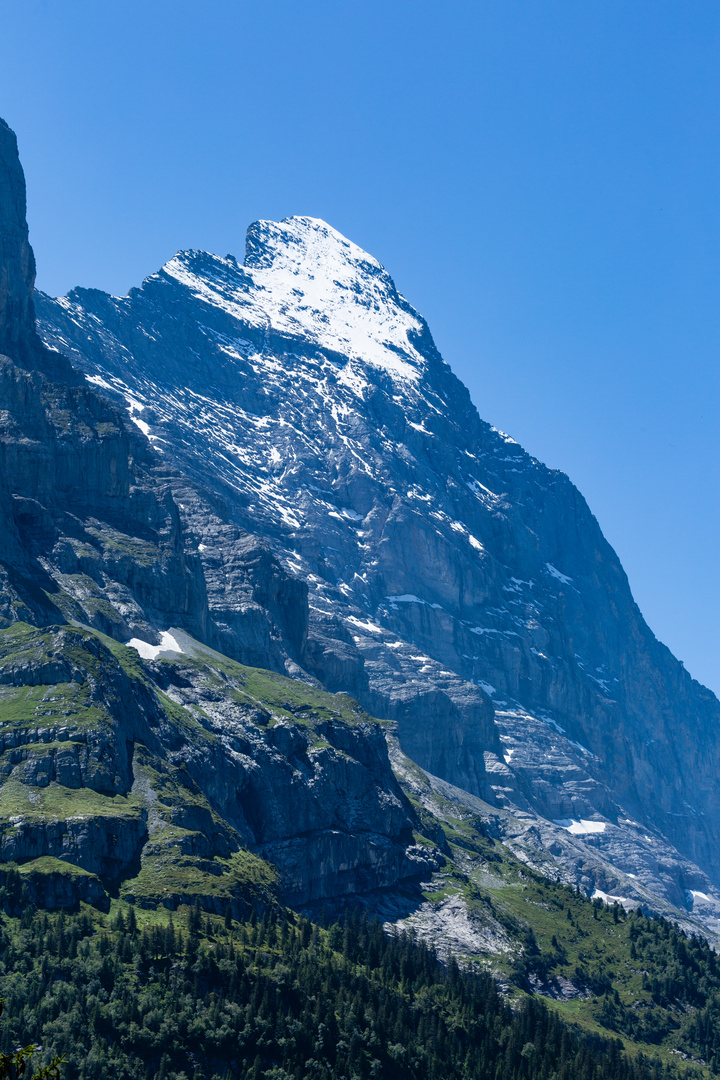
[[541, 177]]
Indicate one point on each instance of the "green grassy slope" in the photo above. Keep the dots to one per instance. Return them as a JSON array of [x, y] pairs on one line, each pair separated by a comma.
[[66, 690]]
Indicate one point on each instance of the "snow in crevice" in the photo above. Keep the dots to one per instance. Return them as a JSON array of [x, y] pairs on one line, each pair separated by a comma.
[[368, 626], [133, 407], [554, 572], [410, 598], [97, 380]]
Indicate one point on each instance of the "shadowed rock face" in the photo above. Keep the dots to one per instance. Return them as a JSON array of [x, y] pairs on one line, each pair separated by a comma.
[[456, 585], [89, 528], [17, 263], [91, 534]]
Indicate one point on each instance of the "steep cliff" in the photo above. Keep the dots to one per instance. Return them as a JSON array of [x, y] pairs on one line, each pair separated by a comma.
[[17, 262], [457, 586], [161, 778]]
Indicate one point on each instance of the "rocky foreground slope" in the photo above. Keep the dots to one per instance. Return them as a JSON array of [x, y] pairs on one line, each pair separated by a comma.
[[456, 586]]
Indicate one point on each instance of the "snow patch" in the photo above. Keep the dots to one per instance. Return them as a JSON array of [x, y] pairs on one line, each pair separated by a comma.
[[608, 898], [345, 515], [373, 628], [479, 489], [134, 406], [554, 572], [310, 282], [410, 598], [169, 646], [97, 380], [583, 827]]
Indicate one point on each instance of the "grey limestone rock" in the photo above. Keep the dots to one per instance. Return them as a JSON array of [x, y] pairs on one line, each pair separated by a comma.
[[274, 460], [455, 584]]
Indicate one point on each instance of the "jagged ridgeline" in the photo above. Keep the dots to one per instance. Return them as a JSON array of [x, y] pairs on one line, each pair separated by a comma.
[[254, 514]]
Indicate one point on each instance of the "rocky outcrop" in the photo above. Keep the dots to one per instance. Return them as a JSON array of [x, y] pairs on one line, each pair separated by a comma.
[[169, 769], [17, 262], [51, 884], [103, 845], [308, 790], [18, 336]]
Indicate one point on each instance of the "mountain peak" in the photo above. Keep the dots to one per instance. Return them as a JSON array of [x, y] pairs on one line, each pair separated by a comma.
[[299, 243], [302, 279], [455, 586]]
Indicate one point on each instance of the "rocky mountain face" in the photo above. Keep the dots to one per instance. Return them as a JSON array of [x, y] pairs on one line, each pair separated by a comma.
[[180, 772], [456, 586], [254, 491]]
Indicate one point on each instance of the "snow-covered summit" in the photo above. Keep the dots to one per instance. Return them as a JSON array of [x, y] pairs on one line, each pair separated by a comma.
[[303, 279]]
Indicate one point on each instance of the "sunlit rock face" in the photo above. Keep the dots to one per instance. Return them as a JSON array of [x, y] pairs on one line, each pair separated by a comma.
[[454, 583]]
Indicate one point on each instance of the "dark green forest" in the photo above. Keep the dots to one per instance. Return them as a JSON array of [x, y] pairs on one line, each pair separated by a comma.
[[185, 996]]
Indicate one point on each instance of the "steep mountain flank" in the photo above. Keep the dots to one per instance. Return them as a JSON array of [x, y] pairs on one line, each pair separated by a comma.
[[160, 778], [456, 585], [271, 465], [268, 471], [180, 775]]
